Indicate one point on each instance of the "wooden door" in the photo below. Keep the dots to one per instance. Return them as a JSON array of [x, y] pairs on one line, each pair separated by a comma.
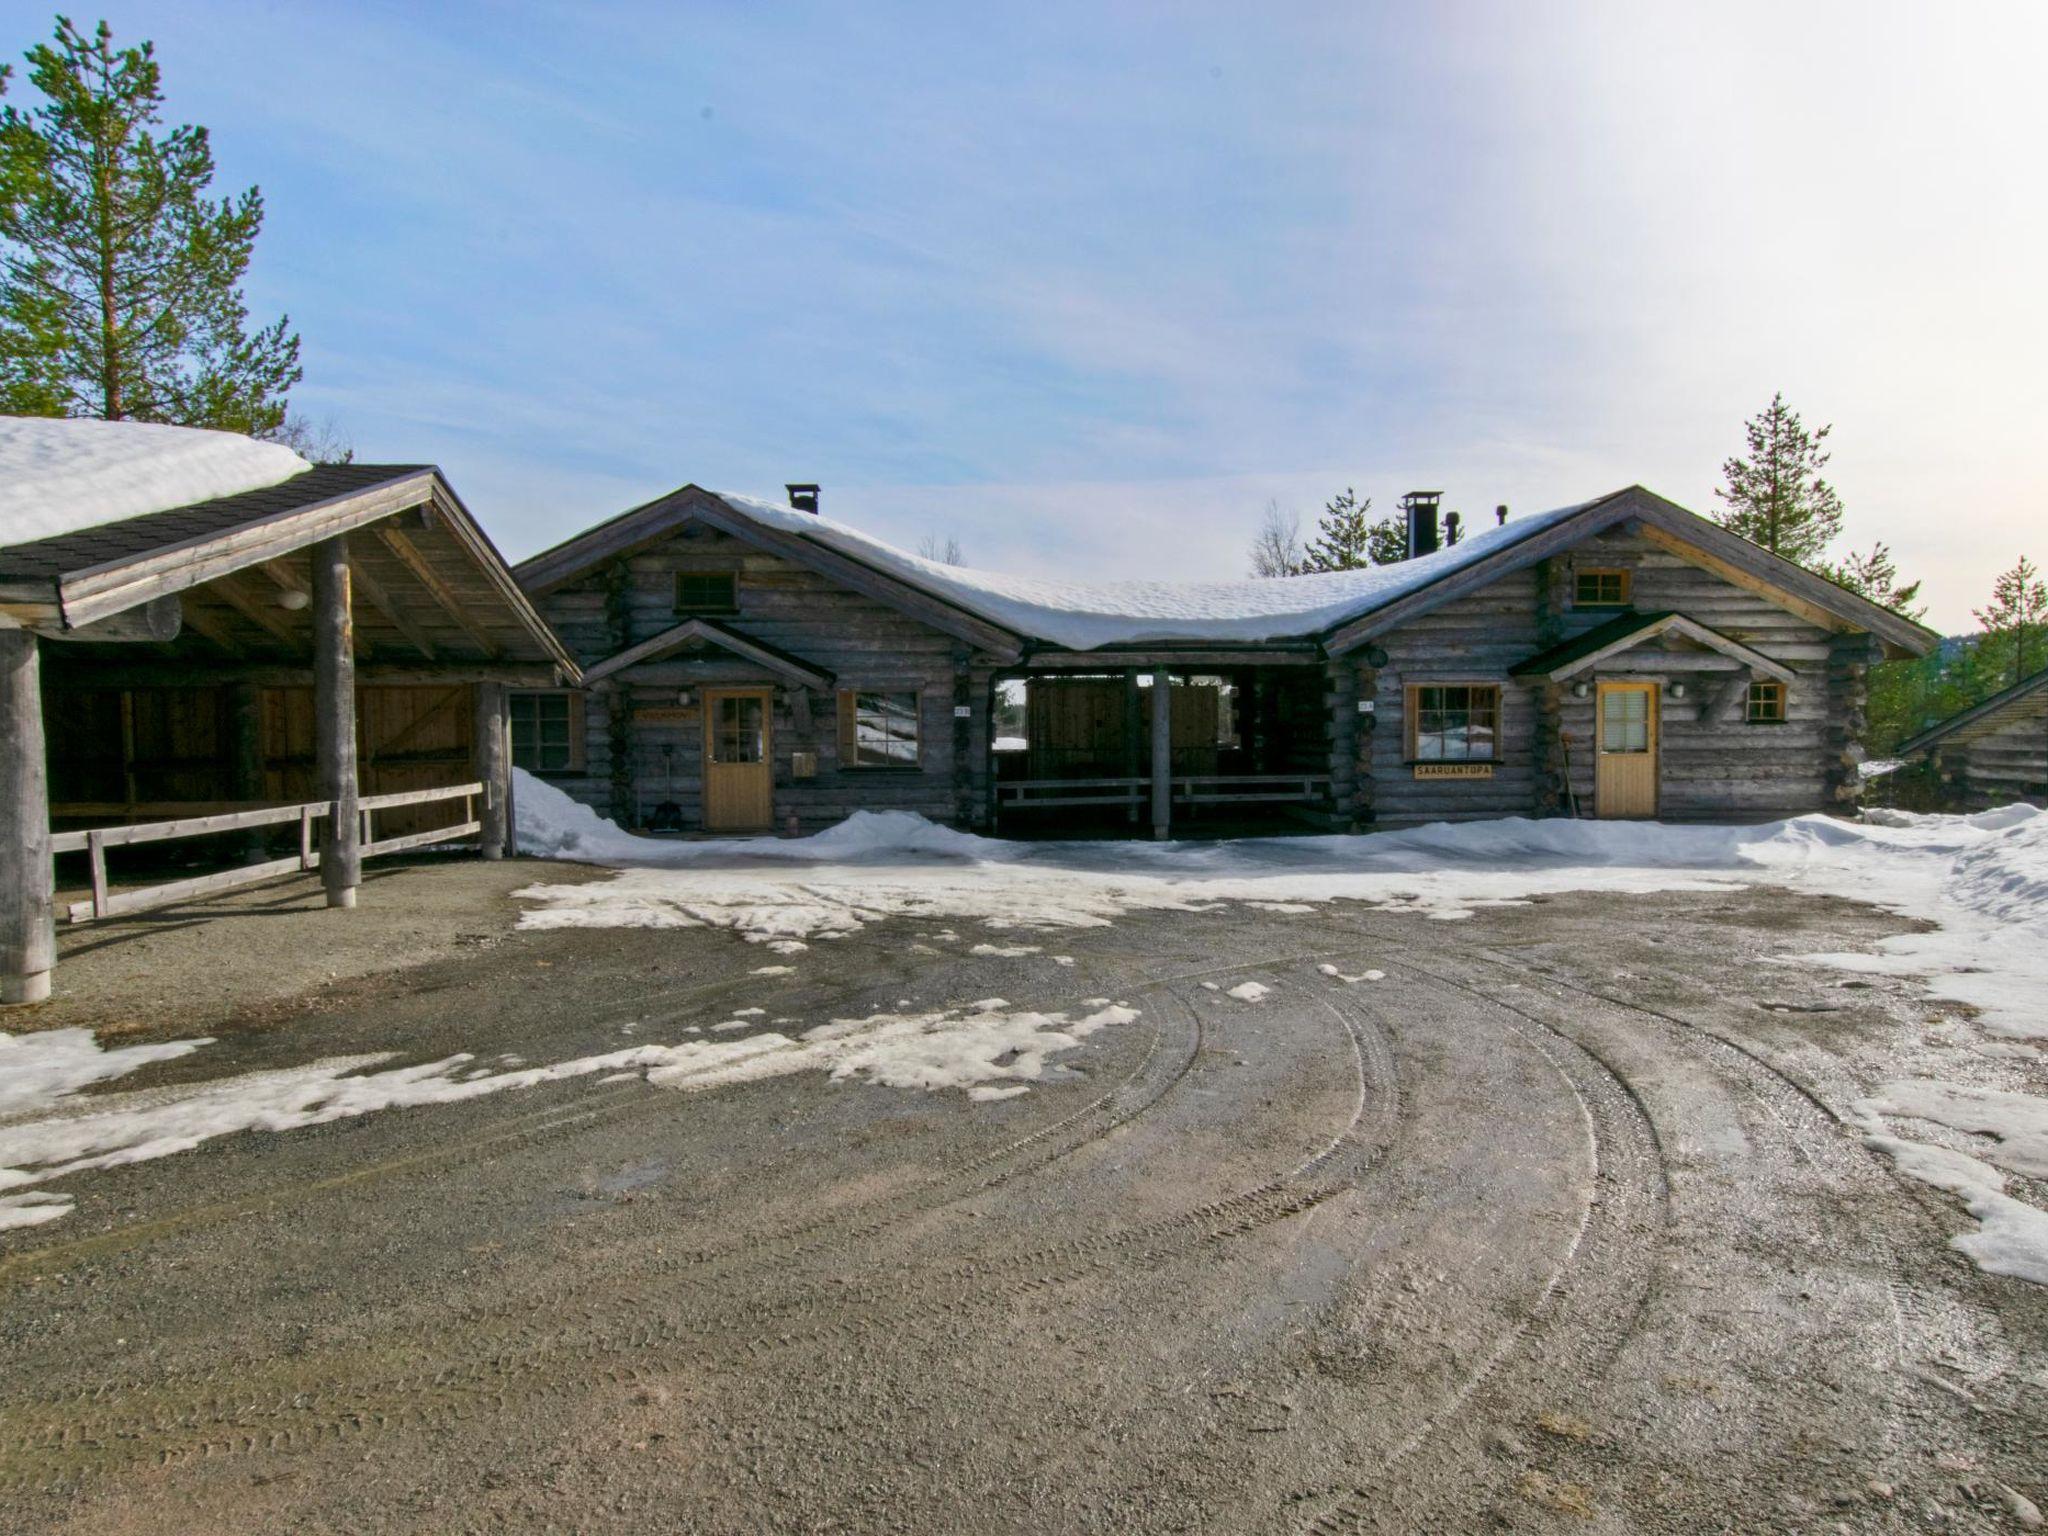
[[739, 768], [1625, 742]]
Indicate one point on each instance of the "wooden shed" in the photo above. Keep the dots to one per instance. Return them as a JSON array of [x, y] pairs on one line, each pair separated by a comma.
[[1995, 752], [312, 651]]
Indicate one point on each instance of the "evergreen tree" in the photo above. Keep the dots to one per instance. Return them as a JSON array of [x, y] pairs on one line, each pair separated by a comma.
[[1876, 577], [2016, 623], [120, 280], [1776, 496], [1348, 538]]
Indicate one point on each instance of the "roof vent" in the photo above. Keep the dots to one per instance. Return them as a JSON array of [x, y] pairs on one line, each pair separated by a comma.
[[804, 498], [1500, 515], [1420, 507]]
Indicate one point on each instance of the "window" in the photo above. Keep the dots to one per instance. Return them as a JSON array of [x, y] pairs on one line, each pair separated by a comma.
[[707, 591], [1601, 589], [1766, 703], [547, 732], [1453, 722], [1624, 721], [877, 730]]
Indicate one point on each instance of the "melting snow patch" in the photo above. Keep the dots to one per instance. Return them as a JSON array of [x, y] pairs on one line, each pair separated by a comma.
[[1249, 991], [55, 1134], [1334, 974], [773, 970], [2012, 1237], [2018, 1121], [1005, 951]]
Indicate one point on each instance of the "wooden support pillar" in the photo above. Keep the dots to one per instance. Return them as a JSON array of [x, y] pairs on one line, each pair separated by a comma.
[[492, 746], [28, 934], [1134, 737], [1162, 754], [245, 754], [334, 720], [1340, 707]]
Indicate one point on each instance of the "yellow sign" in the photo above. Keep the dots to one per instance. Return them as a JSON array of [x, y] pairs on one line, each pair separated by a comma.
[[1454, 770]]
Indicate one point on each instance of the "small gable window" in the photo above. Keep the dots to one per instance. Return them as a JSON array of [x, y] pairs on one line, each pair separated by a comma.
[[1453, 723], [1600, 588], [877, 730], [1766, 703], [547, 731], [707, 592]]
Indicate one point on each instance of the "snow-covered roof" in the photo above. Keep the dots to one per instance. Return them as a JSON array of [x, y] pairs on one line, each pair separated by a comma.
[[1084, 615], [59, 476]]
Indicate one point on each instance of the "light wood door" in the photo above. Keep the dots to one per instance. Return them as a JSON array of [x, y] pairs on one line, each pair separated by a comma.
[[739, 765], [1625, 778]]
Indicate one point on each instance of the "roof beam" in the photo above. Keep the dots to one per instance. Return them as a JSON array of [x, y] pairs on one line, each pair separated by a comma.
[[393, 611], [423, 571], [229, 590], [692, 631]]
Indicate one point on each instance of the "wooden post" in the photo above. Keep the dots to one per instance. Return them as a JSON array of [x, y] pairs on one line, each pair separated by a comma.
[[28, 932], [1134, 733], [493, 755], [334, 720], [1162, 754], [1340, 697]]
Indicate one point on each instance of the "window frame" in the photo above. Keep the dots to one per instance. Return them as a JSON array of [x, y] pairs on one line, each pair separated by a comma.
[[731, 577], [573, 713], [1411, 720], [1624, 582], [849, 730], [1759, 689]]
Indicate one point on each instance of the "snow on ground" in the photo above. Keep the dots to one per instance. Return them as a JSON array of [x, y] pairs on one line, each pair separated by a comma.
[[48, 1131], [59, 476], [1980, 882]]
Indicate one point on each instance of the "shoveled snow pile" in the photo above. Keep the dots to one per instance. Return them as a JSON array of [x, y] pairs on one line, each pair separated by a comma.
[[59, 476], [1084, 614], [987, 1050]]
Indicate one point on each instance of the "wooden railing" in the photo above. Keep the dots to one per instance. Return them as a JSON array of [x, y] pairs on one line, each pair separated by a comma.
[[1203, 789], [95, 843]]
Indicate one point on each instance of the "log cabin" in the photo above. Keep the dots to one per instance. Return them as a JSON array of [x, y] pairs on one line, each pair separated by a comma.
[[322, 659], [1993, 753], [751, 666]]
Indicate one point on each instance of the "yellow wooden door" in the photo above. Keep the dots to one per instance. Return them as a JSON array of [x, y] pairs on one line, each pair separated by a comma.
[[1625, 779], [739, 768]]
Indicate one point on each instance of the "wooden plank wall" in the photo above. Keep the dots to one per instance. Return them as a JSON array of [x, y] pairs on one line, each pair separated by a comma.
[[2006, 763], [864, 643]]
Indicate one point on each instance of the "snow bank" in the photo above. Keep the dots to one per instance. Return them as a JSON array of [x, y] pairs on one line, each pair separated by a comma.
[[1082, 615], [59, 476], [47, 1133]]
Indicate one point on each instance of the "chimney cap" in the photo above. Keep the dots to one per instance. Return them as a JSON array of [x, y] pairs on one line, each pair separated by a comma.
[[1422, 496], [803, 496]]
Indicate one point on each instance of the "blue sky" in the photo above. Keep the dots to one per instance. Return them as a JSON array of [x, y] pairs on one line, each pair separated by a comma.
[[1085, 286]]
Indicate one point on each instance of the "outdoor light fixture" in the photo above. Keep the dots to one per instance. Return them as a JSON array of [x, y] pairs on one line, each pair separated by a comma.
[[1581, 690], [292, 600], [1678, 690], [683, 698]]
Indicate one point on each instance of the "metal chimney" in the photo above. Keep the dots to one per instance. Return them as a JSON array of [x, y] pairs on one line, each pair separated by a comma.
[[1500, 515], [804, 498], [1420, 508]]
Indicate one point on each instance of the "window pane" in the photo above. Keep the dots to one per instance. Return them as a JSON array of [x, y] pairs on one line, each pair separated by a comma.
[[706, 591], [885, 729], [1456, 723], [739, 731]]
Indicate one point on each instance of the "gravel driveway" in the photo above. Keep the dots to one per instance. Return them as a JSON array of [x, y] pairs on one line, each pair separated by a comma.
[[1556, 1225]]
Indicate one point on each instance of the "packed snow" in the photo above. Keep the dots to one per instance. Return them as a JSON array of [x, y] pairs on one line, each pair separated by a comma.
[[1082, 615], [60, 476], [49, 1131]]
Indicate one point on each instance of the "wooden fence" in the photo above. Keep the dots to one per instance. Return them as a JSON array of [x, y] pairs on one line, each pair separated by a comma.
[[95, 843]]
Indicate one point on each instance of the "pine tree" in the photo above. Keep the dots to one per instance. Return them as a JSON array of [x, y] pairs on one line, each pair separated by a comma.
[[1348, 538], [1776, 496], [1876, 577], [120, 280], [2016, 622]]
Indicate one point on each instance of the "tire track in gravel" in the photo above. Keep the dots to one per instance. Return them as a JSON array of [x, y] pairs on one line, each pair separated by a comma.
[[531, 1357], [1924, 1326], [1589, 1306]]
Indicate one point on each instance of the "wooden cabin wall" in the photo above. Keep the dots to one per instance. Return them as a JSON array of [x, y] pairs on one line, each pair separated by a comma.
[[2005, 763], [865, 644], [1472, 639], [1722, 766], [1719, 766]]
